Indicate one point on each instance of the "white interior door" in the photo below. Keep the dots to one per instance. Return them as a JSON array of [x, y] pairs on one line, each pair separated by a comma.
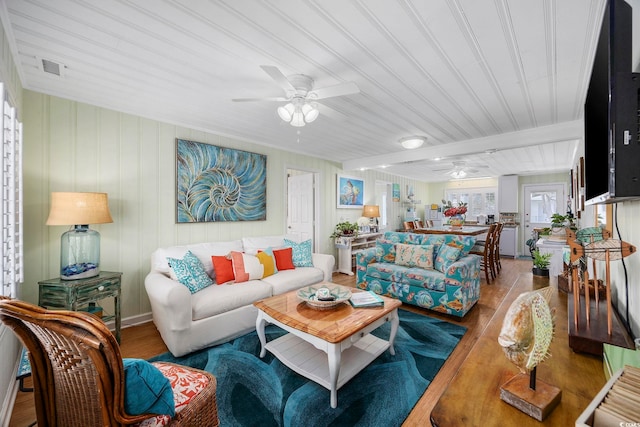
[[300, 206], [540, 202]]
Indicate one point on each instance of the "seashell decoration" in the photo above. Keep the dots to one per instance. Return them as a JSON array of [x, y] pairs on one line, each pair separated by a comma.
[[527, 329]]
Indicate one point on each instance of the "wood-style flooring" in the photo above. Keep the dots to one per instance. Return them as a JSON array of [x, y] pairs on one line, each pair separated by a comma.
[[144, 341]]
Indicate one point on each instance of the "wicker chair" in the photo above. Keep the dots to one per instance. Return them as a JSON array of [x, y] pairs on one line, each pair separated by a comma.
[[78, 375]]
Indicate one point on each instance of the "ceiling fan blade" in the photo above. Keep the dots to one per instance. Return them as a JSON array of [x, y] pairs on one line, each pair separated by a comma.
[[330, 112], [276, 74], [337, 90], [278, 98]]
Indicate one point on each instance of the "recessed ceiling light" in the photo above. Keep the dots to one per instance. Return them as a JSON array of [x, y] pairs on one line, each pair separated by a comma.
[[411, 142]]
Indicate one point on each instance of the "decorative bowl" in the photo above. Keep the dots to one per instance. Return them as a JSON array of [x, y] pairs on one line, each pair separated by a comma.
[[309, 295]]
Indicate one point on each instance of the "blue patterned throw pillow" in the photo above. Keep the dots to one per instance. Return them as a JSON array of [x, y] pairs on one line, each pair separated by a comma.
[[190, 272], [385, 251], [447, 255], [301, 253]]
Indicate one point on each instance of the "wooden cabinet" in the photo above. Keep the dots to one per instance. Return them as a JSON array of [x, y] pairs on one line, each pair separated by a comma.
[[77, 294], [509, 242], [348, 247], [508, 193]]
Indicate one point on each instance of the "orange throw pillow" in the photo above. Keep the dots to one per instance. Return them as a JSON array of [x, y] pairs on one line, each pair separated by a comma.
[[223, 268], [284, 259]]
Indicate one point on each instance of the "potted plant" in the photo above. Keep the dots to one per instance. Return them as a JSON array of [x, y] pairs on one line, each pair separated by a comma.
[[541, 263], [345, 228]]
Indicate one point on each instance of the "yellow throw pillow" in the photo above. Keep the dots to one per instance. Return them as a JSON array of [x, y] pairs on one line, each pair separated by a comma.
[[268, 261]]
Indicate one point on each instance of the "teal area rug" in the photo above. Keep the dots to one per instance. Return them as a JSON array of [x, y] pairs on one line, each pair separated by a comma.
[[263, 392]]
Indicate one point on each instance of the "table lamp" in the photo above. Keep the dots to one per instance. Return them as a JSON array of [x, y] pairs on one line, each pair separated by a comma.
[[372, 211], [80, 246]]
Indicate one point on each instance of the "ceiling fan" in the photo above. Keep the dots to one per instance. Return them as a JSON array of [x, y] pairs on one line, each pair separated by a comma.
[[460, 169], [301, 107]]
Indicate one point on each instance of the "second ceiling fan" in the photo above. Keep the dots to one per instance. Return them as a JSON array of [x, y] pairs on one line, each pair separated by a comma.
[[302, 106]]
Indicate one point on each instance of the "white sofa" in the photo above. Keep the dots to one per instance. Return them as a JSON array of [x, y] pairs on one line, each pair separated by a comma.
[[218, 313]]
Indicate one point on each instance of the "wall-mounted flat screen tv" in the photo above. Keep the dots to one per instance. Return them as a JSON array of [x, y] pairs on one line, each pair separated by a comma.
[[612, 137]]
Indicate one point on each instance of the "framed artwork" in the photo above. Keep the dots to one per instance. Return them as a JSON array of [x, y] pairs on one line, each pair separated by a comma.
[[219, 184], [395, 189], [350, 192]]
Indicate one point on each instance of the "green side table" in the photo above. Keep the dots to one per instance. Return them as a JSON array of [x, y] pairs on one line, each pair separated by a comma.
[[81, 293]]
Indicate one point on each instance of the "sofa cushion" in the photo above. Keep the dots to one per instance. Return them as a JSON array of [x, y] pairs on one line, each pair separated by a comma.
[[284, 259], [414, 255], [417, 277], [465, 243], [215, 300], [398, 237], [290, 280], [246, 267], [301, 253], [385, 251], [446, 256], [223, 269], [252, 245], [190, 272], [267, 259], [202, 250]]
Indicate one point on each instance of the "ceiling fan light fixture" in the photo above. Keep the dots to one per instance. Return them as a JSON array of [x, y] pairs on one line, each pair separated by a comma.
[[412, 142], [459, 174], [297, 119], [286, 112], [310, 112]]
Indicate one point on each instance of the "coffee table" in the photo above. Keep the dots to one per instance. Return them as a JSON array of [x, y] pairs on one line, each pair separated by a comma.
[[327, 346]]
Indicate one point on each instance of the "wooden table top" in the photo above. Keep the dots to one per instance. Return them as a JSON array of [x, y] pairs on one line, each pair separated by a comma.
[[334, 325], [466, 230], [473, 395]]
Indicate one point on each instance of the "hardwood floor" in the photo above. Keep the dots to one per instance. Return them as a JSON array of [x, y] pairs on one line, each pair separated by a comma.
[[144, 341]]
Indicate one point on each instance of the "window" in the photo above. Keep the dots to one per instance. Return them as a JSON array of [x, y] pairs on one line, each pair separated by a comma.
[[480, 201], [11, 250]]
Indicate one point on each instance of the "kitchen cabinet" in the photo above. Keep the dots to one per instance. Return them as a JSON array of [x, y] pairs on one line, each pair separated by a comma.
[[509, 241], [508, 193]]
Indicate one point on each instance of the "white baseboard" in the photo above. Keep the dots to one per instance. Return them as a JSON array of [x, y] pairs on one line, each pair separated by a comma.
[[127, 322]]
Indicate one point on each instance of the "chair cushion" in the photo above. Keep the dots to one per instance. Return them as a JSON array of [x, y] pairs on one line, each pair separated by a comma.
[[190, 272], [146, 390], [186, 384], [301, 253]]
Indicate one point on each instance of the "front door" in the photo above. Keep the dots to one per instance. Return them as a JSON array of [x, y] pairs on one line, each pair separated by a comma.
[[300, 206], [540, 202]]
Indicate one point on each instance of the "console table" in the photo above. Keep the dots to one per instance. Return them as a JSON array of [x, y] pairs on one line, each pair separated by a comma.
[[348, 247], [74, 294], [472, 398]]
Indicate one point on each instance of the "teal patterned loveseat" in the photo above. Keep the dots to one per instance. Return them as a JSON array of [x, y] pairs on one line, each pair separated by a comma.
[[451, 286]]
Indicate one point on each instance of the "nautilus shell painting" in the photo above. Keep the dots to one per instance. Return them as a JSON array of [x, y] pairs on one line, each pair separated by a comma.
[[219, 184], [527, 329]]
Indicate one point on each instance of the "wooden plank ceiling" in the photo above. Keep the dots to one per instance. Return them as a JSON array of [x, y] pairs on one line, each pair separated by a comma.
[[496, 84]]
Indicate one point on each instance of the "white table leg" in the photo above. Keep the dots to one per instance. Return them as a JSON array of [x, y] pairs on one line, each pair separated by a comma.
[[260, 325], [335, 355], [395, 321]]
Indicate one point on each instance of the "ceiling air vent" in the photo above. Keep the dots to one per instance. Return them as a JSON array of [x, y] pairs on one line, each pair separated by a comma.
[[52, 67]]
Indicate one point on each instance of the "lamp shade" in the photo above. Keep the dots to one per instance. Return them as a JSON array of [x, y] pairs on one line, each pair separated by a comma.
[[371, 211], [69, 208]]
